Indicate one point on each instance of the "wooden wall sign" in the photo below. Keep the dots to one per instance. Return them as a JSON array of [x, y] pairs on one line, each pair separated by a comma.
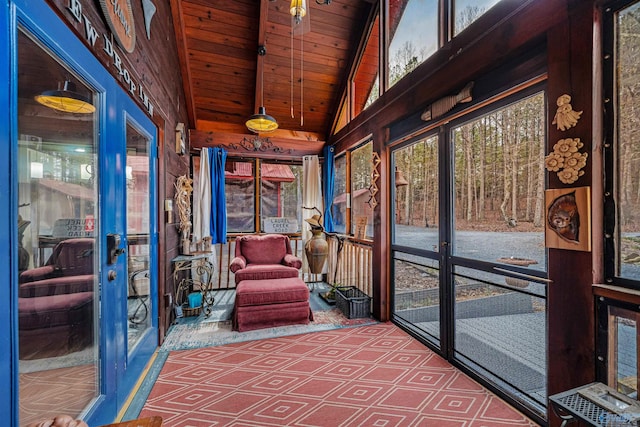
[[92, 37], [119, 17], [280, 225]]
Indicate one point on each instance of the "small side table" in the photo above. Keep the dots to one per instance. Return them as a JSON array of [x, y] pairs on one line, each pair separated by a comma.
[[571, 406], [185, 283]]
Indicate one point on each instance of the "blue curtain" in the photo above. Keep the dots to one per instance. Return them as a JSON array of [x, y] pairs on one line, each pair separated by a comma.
[[328, 186], [217, 159]]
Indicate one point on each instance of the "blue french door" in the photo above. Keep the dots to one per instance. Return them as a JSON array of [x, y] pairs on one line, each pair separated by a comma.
[[81, 231]]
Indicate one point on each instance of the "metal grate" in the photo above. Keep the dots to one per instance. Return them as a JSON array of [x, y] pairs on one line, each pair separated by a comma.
[[589, 411]]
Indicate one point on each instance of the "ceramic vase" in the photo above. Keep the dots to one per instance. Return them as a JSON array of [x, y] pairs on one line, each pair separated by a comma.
[[316, 250]]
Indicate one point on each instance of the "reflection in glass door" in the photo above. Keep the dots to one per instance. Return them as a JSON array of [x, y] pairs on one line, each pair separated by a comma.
[[139, 313], [58, 254]]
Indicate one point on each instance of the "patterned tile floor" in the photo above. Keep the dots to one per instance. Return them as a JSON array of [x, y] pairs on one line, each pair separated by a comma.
[[373, 375]]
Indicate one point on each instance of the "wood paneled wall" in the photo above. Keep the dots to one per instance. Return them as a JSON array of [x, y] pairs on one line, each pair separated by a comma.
[[154, 65]]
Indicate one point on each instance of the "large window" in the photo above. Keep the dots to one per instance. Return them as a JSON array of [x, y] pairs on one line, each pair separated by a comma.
[[416, 30], [413, 35], [624, 161], [339, 206], [240, 196], [361, 211], [467, 11], [280, 196], [352, 206]]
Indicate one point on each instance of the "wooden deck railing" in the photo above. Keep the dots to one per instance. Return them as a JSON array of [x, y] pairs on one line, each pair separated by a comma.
[[349, 263]]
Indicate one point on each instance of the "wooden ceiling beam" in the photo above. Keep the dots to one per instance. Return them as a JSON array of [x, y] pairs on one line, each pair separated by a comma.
[[183, 57], [264, 146]]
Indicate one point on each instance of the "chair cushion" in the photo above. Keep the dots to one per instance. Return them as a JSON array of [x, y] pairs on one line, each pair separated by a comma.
[[38, 273], [273, 291], [265, 272], [57, 286], [55, 310], [265, 249]]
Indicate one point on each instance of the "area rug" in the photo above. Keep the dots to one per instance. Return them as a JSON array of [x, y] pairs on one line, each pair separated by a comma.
[[373, 375], [208, 333]]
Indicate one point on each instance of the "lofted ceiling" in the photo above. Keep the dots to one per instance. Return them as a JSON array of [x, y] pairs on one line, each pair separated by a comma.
[[223, 74]]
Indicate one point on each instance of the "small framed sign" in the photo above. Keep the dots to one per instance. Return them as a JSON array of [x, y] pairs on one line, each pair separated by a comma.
[[361, 227], [282, 225]]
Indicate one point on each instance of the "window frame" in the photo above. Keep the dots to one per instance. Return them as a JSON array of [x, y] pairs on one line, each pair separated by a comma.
[[257, 193], [611, 227], [380, 11], [349, 222]]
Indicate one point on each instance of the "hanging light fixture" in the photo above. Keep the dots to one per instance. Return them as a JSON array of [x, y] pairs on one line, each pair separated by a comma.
[[298, 10], [66, 100], [261, 122]]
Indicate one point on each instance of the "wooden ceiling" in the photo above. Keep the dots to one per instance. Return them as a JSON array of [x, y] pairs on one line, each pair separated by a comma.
[[218, 44]]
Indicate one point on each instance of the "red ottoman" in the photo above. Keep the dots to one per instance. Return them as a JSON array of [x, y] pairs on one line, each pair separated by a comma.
[[271, 302], [55, 325]]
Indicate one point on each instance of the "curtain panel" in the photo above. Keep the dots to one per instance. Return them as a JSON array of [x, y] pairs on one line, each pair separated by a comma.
[[328, 181]]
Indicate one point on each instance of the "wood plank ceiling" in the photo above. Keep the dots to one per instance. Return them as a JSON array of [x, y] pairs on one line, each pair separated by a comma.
[[218, 44]]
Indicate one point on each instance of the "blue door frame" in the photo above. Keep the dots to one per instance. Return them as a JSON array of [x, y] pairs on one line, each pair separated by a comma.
[[120, 369]]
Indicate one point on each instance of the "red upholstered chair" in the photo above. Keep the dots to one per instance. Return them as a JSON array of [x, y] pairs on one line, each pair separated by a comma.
[[260, 257], [55, 304], [71, 257]]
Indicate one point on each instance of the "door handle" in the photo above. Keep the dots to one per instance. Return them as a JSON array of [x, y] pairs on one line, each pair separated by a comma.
[[113, 248]]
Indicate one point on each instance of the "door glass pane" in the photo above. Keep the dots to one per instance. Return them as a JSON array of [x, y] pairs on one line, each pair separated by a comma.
[[501, 332], [416, 186], [57, 207], [416, 292], [499, 185], [138, 232]]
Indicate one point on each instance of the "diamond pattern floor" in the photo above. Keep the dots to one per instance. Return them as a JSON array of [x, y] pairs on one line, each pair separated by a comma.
[[366, 376]]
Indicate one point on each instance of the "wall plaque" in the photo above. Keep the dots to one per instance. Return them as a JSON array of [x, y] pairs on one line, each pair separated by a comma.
[[280, 225], [119, 17]]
